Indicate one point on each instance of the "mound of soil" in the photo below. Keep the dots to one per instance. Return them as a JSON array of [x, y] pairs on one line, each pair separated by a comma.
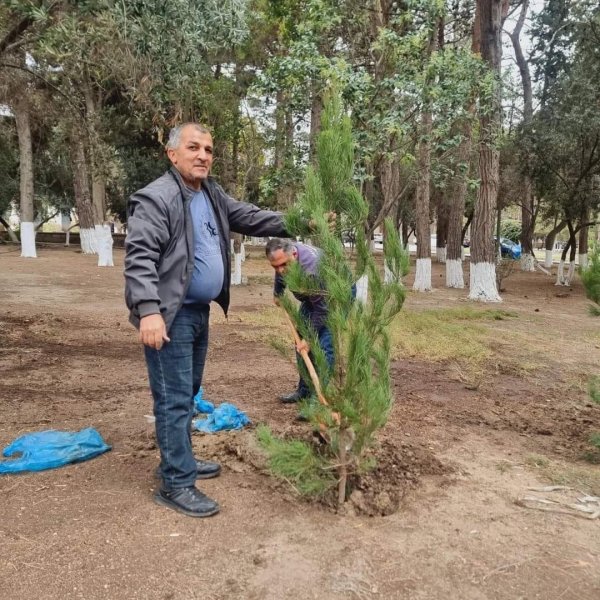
[[398, 469], [379, 492]]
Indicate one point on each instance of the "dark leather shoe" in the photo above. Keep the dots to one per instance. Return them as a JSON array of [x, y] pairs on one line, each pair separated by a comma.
[[205, 469], [295, 396], [189, 501]]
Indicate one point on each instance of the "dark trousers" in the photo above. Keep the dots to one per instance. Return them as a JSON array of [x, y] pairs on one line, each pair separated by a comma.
[[175, 374], [326, 343]]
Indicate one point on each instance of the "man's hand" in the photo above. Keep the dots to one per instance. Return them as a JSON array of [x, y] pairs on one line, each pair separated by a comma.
[[302, 346], [276, 301], [331, 218], [153, 331]]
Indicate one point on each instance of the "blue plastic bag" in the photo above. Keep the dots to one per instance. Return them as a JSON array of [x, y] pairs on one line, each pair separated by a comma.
[[225, 416], [50, 449], [201, 405]]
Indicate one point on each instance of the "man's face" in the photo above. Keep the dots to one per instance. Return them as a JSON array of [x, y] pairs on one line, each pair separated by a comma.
[[280, 260], [193, 157]]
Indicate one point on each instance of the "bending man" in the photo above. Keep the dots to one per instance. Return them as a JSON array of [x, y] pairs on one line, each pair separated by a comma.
[[313, 308]]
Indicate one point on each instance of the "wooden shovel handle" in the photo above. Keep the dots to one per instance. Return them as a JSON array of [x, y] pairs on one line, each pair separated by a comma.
[[311, 369]]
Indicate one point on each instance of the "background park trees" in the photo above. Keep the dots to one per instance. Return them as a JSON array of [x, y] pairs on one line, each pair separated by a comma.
[[446, 131]]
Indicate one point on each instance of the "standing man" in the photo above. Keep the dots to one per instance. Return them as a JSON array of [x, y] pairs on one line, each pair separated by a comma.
[[313, 308], [177, 261]]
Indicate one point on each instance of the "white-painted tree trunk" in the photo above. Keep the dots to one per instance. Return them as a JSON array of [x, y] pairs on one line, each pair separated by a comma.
[[105, 245], [423, 275], [527, 262], [87, 237], [561, 277], [454, 274], [483, 282], [440, 254], [570, 273], [548, 259], [236, 276], [243, 251], [28, 240], [362, 289], [583, 261], [560, 273]]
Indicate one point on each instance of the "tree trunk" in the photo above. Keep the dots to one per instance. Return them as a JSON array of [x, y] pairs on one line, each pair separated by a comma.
[[388, 171], [21, 112], [528, 200], [549, 243], [583, 247], [483, 257], [458, 192], [527, 226], [104, 241], [441, 236], [81, 189], [571, 248], [423, 272], [9, 231], [422, 281]]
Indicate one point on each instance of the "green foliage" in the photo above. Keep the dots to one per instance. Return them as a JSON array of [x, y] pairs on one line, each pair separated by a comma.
[[359, 390], [594, 389], [595, 439], [296, 462], [9, 164], [511, 230], [590, 277]]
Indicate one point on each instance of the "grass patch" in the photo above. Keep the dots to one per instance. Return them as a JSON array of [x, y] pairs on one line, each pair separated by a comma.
[[579, 477], [297, 463], [537, 461], [268, 327], [453, 333]]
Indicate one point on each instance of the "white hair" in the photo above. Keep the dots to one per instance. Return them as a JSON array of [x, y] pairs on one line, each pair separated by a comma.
[[175, 133]]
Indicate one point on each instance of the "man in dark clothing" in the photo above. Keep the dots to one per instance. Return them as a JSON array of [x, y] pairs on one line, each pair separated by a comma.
[[177, 262], [313, 308]]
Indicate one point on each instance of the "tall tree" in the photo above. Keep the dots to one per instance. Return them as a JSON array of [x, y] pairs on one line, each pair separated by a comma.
[[483, 256], [528, 200]]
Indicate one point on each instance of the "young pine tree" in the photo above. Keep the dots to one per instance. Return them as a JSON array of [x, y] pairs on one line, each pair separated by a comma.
[[590, 276], [357, 395]]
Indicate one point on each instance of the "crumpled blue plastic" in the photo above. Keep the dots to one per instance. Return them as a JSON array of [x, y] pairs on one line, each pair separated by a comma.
[[50, 449], [225, 416], [201, 405]]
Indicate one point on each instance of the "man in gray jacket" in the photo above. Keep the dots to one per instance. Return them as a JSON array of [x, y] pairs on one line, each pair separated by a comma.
[[177, 262]]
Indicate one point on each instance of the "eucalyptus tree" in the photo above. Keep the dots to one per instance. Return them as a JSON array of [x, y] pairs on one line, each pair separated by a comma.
[[566, 129], [529, 206], [483, 256]]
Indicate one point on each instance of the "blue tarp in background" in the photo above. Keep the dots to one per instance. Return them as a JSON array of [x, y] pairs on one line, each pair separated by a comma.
[[50, 449]]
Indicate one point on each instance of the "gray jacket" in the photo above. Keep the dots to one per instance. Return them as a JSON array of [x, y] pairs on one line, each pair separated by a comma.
[[159, 247]]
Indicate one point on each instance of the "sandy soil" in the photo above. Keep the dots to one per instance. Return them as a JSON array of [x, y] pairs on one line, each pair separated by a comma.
[[69, 360]]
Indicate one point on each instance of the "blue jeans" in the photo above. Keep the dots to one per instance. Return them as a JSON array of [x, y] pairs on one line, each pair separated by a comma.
[[326, 343], [175, 374]]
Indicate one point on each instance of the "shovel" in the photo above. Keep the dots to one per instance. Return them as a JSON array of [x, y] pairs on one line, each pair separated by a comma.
[[311, 370]]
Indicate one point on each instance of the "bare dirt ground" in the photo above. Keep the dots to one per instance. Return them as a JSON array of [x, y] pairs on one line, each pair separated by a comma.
[[471, 444]]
